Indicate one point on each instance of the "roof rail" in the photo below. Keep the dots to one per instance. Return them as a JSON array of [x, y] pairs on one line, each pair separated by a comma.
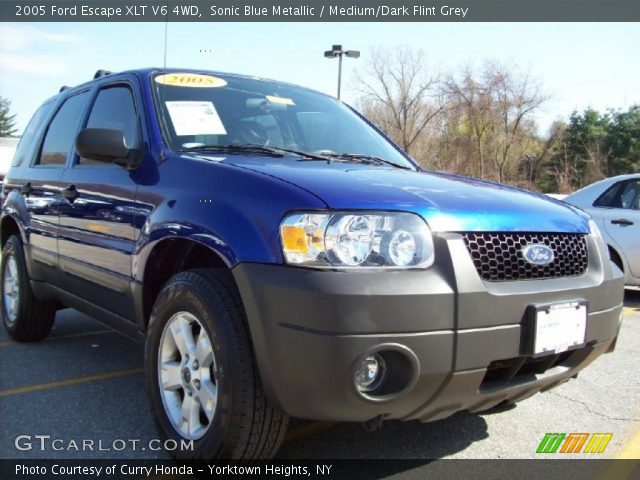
[[101, 73], [63, 88]]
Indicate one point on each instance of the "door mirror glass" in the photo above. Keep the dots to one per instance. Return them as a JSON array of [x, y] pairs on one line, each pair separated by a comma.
[[106, 145], [114, 109]]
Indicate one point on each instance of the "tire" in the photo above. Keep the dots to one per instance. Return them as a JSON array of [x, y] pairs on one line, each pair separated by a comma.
[[25, 318], [242, 425]]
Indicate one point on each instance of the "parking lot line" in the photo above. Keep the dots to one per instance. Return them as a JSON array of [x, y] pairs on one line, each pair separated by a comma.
[[70, 335], [66, 383], [624, 470], [631, 449]]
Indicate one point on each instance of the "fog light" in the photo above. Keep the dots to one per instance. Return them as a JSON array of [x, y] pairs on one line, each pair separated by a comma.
[[370, 373]]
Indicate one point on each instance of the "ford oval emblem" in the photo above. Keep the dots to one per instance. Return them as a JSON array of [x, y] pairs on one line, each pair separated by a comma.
[[538, 254]]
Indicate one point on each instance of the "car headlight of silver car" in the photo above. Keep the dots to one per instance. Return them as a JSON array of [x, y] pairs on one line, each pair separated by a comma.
[[351, 240]]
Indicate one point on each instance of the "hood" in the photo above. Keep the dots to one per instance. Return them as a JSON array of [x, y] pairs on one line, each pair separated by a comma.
[[447, 202]]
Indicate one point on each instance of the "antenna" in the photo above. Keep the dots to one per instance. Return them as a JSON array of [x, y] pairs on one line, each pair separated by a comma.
[[166, 34]]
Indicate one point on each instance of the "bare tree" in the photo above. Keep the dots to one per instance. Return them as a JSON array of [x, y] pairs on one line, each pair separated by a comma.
[[399, 94], [566, 171], [480, 122], [545, 149], [516, 97], [474, 100]]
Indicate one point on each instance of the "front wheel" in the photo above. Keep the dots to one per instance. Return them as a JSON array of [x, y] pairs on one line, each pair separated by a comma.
[[201, 374]]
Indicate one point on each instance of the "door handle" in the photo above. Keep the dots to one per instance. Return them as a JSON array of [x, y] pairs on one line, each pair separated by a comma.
[[70, 193], [622, 221], [26, 189]]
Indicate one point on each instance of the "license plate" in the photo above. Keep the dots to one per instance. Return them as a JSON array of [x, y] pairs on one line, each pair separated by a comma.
[[560, 327]]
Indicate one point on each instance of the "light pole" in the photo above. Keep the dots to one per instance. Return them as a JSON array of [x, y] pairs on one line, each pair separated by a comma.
[[336, 51]]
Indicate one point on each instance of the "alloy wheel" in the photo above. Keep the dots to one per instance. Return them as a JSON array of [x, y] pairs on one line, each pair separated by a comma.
[[186, 375], [10, 289]]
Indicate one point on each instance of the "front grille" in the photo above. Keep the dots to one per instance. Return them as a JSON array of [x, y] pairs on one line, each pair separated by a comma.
[[498, 256]]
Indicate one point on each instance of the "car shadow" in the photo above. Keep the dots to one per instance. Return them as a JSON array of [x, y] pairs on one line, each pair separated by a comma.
[[632, 298], [419, 442]]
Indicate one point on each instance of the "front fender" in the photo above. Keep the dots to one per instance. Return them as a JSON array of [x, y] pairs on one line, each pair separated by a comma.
[[234, 211], [235, 236]]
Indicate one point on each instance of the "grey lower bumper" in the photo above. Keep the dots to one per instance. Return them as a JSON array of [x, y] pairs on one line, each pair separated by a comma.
[[463, 341]]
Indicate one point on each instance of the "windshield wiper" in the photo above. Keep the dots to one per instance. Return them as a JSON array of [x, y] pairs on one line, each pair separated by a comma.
[[237, 148], [306, 155], [324, 156], [255, 148], [360, 157]]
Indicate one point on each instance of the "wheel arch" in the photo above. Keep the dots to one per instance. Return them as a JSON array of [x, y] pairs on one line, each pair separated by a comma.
[[616, 258], [170, 255], [10, 226]]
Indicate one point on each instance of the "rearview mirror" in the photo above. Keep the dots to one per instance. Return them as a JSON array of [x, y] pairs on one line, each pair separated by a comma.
[[107, 145]]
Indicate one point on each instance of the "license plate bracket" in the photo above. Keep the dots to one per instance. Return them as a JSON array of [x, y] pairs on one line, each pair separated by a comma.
[[557, 327]]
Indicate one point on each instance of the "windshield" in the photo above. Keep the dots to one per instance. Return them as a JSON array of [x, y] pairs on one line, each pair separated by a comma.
[[202, 110]]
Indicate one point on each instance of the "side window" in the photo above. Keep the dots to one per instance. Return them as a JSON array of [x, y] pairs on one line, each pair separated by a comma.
[[29, 140], [630, 195], [609, 197], [621, 195], [61, 134], [115, 109]]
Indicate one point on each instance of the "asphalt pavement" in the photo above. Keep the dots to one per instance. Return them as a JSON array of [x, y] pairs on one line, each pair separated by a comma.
[[86, 382]]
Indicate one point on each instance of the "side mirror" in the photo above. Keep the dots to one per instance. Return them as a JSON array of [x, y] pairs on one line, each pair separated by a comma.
[[108, 146]]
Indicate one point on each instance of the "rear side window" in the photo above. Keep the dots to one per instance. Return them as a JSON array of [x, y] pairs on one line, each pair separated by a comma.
[[621, 195], [61, 135], [28, 142], [115, 109]]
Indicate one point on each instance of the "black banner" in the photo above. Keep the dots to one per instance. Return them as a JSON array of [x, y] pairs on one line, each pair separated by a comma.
[[322, 469], [320, 11]]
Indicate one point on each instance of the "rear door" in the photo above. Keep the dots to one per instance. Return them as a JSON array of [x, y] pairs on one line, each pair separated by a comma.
[[41, 187], [97, 224], [619, 212]]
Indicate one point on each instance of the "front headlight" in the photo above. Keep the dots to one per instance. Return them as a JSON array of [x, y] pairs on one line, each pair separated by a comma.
[[357, 240]]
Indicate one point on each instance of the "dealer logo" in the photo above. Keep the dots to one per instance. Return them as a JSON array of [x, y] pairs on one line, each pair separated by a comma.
[[574, 442], [538, 254]]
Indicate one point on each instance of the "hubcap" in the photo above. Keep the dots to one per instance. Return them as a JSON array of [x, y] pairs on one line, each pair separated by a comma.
[[10, 289], [186, 374]]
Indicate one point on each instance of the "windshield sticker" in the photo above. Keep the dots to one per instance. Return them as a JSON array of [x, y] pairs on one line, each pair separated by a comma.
[[190, 80], [195, 118], [280, 100]]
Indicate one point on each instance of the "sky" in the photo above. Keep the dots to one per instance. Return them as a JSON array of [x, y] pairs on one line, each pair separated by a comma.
[[579, 64]]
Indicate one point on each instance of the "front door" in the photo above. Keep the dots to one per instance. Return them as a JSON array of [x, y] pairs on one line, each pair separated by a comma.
[[98, 223]]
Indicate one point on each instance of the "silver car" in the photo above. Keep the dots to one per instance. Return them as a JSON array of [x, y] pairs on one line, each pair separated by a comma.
[[614, 203]]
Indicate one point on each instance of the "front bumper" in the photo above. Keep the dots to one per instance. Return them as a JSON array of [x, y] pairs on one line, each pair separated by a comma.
[[458, 342]]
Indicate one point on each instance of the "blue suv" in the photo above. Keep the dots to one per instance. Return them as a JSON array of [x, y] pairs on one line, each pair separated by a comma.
[[279, 256]]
